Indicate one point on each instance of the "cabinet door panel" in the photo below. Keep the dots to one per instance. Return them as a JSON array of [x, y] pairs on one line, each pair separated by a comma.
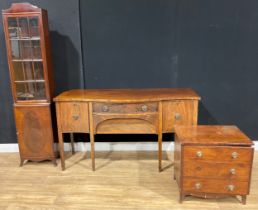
[[34, 131], [73, 116], [179, 112]]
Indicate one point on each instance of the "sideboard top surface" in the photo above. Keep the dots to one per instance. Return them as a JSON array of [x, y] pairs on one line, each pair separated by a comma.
[[127, 95], [217, 135]]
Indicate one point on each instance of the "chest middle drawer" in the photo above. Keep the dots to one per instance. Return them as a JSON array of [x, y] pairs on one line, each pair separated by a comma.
[[218, 154], [125, 108], [230, 171]]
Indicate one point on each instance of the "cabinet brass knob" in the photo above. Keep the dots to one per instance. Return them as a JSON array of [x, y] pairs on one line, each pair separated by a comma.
[[177, 116], [75, 117], [232, 171], [230, 187], [198, 186], [105, 108], [144, 108], [234, 155], [199, 154]]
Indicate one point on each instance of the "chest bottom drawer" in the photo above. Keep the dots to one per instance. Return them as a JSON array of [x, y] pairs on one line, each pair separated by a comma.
[[231, 187]]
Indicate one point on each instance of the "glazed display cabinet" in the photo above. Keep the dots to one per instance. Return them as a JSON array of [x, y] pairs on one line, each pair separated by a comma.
[[30, 66]]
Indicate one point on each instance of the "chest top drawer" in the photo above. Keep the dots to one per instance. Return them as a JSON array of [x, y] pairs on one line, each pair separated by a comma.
[[125, 108], [218, 153]]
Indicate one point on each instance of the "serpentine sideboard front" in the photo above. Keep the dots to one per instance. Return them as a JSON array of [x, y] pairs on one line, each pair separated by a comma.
[[124, 111]]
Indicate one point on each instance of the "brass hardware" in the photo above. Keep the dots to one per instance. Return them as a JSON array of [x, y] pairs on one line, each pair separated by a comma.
[[230, 187], [105, 108], [178, 116], [232, 171], [198, 168], [234, 155], [144, 108], [199, 154], [75, 117], [198, 186]]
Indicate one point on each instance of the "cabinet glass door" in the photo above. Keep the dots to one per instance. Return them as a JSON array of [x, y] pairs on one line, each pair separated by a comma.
[[26, 58]]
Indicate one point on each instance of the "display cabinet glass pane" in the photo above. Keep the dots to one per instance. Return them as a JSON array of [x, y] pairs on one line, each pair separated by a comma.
[[18, 71], [28, 70], [21, 49], [41, 92], [30, 90], [36, 49], [33, 26], [16, 54], [23, 27], [38, 69], [13, 27], [22, 93], [26, 49]]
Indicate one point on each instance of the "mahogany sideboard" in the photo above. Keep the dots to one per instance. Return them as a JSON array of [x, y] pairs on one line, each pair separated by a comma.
[[124, 111]]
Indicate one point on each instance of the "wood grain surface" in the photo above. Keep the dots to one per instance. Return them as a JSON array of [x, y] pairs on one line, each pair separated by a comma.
[[127, 95]]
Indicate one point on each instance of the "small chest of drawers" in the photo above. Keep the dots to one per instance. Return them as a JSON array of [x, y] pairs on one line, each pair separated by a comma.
[[212, 161]]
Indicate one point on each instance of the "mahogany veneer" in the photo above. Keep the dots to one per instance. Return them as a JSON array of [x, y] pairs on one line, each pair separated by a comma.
[[124, 111], [212, 161], [30, 66]]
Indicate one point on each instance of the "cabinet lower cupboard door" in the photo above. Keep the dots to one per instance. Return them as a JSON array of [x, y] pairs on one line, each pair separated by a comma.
[[34, 132]]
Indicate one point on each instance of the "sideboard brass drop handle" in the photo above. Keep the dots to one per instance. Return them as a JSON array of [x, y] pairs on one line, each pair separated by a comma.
[[105, 108], [144, 108]]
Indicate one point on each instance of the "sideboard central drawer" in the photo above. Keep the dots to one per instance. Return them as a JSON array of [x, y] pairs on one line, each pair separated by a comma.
[[125, 107]]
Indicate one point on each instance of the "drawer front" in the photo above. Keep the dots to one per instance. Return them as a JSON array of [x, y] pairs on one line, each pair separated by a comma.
[[125, 108], [218, 154], [231, 187], [73, 116], [198, 169], [126, 124]]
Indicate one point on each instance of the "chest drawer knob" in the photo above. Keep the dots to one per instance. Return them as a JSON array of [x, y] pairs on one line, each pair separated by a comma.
[[75, 117], [234, 155], [144, 108], [199, 154], [105, 108], [198, 186], [230, 187], [232, 171], [178, 116]]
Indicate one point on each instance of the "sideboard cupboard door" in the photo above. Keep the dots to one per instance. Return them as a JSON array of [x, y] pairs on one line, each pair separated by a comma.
[[34, 132], [179, 112], [73, 117]]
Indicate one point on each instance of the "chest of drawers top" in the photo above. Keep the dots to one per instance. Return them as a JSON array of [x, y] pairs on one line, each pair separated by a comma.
[[128, 95], [212, 136]]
